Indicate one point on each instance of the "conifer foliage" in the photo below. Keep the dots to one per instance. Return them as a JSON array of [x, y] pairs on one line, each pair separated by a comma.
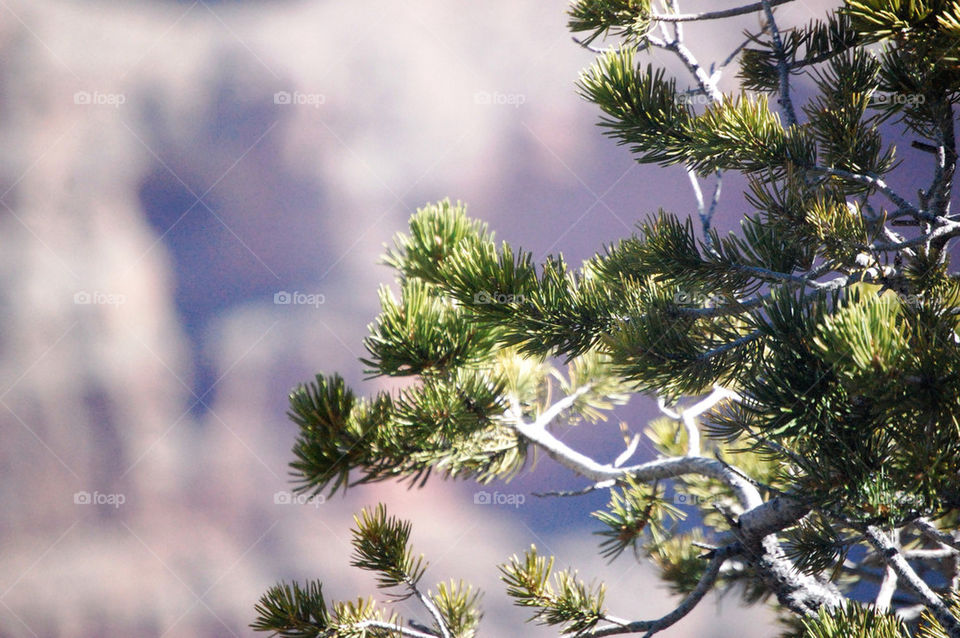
[[807, 366]]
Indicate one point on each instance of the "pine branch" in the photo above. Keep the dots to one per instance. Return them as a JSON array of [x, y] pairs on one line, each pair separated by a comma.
[[839, 335], [852, 619], [562, 600], [457, 604], [291, 611], [381, 544]]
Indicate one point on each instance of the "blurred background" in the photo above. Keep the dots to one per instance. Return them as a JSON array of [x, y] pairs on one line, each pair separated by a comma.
[[193, 199]]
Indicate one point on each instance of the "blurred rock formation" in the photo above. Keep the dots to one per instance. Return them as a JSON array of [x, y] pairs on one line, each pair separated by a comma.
[[156, 195]]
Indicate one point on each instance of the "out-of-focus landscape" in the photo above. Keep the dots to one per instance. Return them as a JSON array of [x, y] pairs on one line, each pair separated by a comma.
[[171, 173]]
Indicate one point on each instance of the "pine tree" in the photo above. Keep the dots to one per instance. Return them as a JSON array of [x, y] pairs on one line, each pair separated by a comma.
[[807, 365]]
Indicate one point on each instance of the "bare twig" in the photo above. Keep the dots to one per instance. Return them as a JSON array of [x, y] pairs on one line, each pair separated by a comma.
[[690, 414], [946, 166], [910, 614], [717, 187], [400, 629], [929, 554], [783, 67], [704, 585], [667, 410], [708, 86], [930, 531], [889, 584], [948, 230], [627, 453], [705, 81], [736, 343], [740, 47], [878, 183], [583, 465], [602, 485], [705, 213], [891, 554], [715, 15], [590, 47], [432, 608], [697, 193], [678, 24]]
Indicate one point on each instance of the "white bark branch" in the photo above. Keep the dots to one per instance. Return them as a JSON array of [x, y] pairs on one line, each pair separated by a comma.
[[891, 554], [432, 608], [888, 586], [875, 182], [714, 15], [756, 526], [930, 531], [405, 631], [689, 416]]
